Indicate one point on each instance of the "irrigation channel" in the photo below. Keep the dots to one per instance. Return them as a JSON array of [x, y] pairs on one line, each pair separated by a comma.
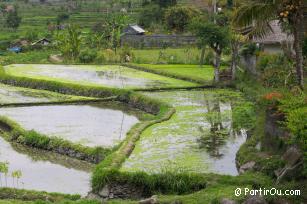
[[202, 136]]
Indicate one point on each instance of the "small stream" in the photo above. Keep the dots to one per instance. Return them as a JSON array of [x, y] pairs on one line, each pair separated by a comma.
[[204, 134], [44, 171]]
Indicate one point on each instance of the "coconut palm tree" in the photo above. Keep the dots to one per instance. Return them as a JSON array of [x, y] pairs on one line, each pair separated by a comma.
[[258, 13]]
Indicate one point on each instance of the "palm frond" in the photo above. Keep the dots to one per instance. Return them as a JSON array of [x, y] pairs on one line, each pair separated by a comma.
[[260, 11]]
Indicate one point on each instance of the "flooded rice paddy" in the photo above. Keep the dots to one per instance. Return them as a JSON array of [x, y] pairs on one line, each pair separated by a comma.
[[98, 124], [43, 171], [203, 135], [103, 75], [11, 94]]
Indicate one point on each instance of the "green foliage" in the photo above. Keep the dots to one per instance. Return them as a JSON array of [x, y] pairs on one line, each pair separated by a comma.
[[87, 56], [13, 20], [61, 18], [185, 72], [179, 17], [165, 183], [31, 35], [149, 15], [26, 195], [248, 49], [244, 116], [34, 56], [69, 42], [165, 3], [276, 71], [126, 54]]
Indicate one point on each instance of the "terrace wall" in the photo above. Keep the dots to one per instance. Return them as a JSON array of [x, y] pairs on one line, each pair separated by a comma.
[[157, 41]]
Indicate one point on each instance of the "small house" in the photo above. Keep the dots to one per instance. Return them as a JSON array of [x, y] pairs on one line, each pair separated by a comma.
[[272, 43], [43, 41], [134, 30]]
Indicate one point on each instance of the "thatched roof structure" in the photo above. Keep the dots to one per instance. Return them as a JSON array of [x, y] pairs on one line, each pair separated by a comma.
[[275, 36]]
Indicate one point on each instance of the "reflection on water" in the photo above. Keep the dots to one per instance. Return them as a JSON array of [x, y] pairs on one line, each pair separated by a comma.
[[38, 173], [90, 125], [200, 137]]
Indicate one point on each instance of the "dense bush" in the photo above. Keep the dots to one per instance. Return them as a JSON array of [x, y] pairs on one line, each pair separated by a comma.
[[276, 70], [87, 56], [296, 111], [248, 49], [126, 54], [179, 17]]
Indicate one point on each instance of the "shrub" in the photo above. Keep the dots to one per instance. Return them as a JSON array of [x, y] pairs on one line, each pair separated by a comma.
[[87, 56], [124, 52], [101, 57], [110, 56], [276, 70], [248, 49], [177, 18]]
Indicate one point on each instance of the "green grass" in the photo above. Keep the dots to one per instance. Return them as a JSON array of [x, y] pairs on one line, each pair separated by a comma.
[[168, 56], [205, 73], [40, 56]]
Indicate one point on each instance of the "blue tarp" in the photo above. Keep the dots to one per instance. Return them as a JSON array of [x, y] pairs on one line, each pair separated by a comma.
[[15, 49]]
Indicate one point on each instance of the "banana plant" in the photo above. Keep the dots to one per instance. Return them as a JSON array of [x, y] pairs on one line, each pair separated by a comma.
[[16, 174], [4, 169]]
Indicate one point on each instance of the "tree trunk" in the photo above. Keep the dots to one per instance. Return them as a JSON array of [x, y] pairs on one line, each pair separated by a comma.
[[202, 56], [298, 32], [235, 52], [217, 67]]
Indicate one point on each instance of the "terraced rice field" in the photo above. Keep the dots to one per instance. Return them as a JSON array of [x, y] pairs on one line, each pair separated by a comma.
[[203, 135], [96, 75], [99, 124]]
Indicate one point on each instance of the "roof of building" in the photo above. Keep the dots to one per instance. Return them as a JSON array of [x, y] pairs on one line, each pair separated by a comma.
[[40, 40], [137, 28], [275, 36]]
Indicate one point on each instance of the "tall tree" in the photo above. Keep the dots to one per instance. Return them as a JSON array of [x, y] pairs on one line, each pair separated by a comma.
[[216, 37], [258, 13]]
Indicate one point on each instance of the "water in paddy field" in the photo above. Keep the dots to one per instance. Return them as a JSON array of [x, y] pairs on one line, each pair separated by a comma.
[[106, 75], [9, 94], [203, 135], [44, 171], [99, 124]]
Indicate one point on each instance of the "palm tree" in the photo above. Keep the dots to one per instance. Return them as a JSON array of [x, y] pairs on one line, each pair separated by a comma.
[[258, 14]]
